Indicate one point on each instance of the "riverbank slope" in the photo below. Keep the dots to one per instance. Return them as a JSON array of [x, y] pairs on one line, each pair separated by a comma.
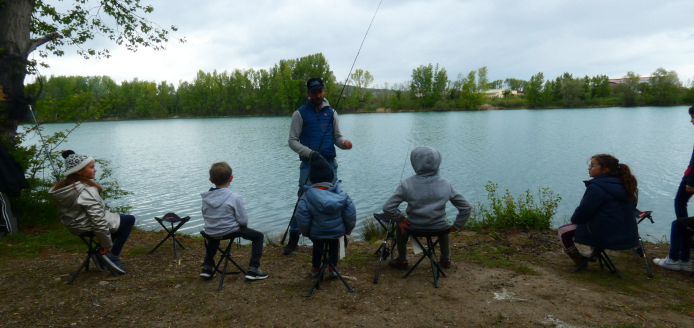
[[504, 279]]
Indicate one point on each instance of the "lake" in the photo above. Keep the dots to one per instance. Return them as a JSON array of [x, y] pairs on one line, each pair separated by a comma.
[[165, 163]]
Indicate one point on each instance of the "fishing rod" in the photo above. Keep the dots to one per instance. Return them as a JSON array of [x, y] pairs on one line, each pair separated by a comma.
[[344, 85], [45, 146]]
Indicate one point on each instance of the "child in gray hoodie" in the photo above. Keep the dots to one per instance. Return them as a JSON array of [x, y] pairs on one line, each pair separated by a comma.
[[426, 194], [223, 213]]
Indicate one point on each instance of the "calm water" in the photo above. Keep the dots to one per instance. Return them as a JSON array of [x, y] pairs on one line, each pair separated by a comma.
[[165, 162]]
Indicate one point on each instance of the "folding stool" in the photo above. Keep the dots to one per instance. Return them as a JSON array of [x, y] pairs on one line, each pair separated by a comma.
[[601, 256], [429, 250], [171, 218], [325, 263], [383, 251], [225, 256], [93, 248]]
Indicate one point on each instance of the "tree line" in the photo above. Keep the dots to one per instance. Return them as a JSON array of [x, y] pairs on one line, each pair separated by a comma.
[[282, 88]]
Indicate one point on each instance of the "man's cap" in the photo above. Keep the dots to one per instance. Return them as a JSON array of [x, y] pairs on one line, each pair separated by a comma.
[[314, 83]]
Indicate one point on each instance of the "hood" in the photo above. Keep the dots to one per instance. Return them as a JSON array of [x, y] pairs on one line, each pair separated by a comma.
[[66, 196], [327, 201], [425, 161], [310, 104], [612, 185], [215, 198]]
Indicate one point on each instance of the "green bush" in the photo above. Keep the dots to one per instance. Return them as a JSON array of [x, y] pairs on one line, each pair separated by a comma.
[[370, 229], [506, 212]]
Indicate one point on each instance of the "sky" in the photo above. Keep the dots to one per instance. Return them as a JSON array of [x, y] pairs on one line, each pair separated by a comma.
[[514, 39]]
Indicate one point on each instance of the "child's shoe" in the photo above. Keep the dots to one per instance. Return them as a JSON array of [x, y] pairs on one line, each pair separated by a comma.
[[685, 266], [445, 263], [112, 262], [98, 264], [255, 274], [400, 265], [314, 272], [332, 273], [207, 271], [669, 264]]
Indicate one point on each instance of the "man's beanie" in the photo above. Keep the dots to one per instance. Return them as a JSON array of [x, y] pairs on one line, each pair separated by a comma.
[[320, 171], [314, 83], [75, 162]]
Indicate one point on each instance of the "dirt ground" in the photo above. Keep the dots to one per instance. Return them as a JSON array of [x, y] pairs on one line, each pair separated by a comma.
[[511, 279]]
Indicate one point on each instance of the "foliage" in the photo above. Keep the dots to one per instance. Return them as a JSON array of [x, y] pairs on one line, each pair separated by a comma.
[[371, 230], [506, 212], [84, 20]]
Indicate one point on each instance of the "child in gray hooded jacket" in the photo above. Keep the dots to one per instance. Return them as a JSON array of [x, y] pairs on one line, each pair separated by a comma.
[[426, 194], [224, 214]]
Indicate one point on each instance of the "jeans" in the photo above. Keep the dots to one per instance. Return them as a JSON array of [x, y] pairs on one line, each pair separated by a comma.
[[256, 238], [681, 200], [680, 242], [121, 236], [333, 252], [401, 242], [304, 180]]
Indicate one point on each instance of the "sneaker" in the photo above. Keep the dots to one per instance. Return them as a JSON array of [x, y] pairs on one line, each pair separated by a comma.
[[685, 266], [112, 262], [98, 264], [314, 272], [207, 271], [400, 265], [332, 273], [668, 263], [255, 274], [445, 263]]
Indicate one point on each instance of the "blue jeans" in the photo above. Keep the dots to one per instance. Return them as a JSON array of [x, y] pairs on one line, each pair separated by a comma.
[[121, 236], [304, 180], [680, 243]]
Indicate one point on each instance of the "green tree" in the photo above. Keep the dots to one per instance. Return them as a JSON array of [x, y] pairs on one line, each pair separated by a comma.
[[360, 80], [422, 82], [664, 87], [26, 25], [533, 91]]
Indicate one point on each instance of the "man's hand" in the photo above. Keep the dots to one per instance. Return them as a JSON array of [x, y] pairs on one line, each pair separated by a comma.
[[404, 224], [690, 190], [348, 144], [314, 156]]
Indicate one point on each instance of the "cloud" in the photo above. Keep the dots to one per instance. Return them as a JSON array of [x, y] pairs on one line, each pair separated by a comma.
[[512, 38]]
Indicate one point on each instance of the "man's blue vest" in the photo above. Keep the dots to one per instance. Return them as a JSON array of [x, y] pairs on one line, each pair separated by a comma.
[[314, 128]]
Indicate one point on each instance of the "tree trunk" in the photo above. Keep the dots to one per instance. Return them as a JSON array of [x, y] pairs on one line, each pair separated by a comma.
[[15, 46]]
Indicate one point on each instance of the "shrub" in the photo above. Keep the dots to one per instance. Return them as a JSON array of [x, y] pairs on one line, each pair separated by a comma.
[[506, 212], [371, 230]]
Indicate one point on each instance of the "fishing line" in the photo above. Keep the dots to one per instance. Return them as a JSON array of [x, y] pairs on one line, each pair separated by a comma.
[[344, 85]]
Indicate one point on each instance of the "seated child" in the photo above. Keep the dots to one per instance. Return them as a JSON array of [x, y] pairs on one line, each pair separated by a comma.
[[426, 194], [605, 217], [324, 211], [81, 209], [223, 213]]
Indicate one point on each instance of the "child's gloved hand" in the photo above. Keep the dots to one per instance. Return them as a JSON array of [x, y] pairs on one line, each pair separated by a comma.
[[314, 156], [453, 229], [404, 224], [105, 250]]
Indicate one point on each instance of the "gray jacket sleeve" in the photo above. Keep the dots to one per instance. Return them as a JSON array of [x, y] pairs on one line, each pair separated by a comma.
[[390, 208], [94, 207], [294, 134], [241, 215], [337, 135], [464, 208]]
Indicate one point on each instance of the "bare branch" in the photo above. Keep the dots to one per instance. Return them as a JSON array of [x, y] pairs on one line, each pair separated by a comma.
[[35, 43]]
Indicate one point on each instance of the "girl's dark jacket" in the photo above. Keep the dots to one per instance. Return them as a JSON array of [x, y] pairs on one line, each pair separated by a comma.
[[605, 217]]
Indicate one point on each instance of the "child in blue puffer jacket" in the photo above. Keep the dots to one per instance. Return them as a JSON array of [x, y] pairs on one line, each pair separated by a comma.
[[605, 217], [324, 211]]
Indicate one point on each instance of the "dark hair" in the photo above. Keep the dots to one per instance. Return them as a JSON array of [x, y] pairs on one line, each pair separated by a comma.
[[622, 171], [220, 173], [72, 178], [691, 110]]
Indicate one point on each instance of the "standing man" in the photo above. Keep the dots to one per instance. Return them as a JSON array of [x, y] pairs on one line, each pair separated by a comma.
[[315, 131]]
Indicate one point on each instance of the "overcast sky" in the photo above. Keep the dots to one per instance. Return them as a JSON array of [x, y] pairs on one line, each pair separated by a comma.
[[514, 39]]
